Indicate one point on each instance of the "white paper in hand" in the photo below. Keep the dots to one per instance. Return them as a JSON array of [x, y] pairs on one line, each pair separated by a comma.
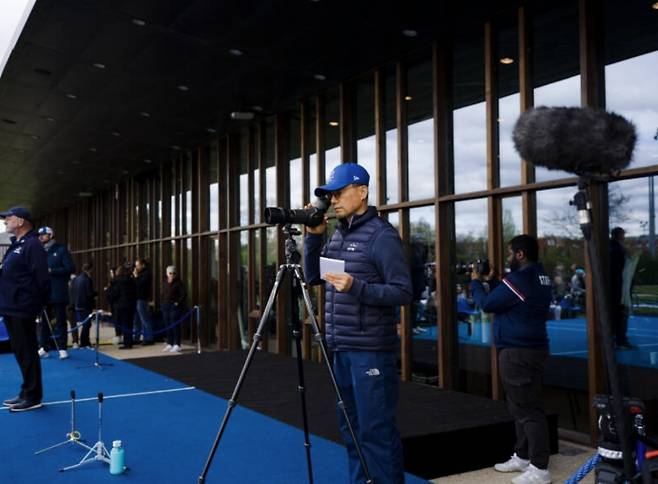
[[331, 265]]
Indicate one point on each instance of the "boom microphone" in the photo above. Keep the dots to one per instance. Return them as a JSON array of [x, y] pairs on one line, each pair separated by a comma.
[[578, 140]]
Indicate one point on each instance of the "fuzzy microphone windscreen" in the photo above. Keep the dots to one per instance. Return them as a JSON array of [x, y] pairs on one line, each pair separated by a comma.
[[577, 140]]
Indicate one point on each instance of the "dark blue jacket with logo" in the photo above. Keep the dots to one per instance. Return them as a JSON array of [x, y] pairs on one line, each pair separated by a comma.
[[24, 279], [363, 318], [520, 304], [61, 267]]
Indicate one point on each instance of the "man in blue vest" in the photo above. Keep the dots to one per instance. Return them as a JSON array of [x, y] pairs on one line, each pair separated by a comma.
[[24, 289], [520, 303], [360, 319], [60, 267]]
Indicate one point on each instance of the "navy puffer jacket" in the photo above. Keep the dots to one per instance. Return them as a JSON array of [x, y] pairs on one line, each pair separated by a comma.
[[364, 318]]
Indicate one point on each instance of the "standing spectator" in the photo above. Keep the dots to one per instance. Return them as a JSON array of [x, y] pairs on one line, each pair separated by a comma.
[[122, 295], [84, 296], [142, 276], [520, 304], [361, 320], [70, 313], [618, 311], [117, 330], [60, 267], [24, 289], [173, 302]]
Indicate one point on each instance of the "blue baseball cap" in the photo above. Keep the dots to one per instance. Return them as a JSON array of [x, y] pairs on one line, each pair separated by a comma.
[[343, 175], [45, 231], [20, 212]]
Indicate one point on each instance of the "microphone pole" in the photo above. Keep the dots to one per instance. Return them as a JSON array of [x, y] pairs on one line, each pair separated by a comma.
[[582, 203]]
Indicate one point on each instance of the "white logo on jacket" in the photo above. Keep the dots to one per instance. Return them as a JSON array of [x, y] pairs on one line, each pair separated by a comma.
[[373, 372]]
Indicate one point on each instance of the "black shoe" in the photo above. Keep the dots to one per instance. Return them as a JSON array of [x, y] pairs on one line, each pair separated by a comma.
[[12, 401], [25, 405], [137, 341], [148, 343], [126, 347]]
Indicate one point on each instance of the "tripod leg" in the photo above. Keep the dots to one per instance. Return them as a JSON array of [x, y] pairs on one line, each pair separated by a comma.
[[252, 349], [318, 337], [296, 332]]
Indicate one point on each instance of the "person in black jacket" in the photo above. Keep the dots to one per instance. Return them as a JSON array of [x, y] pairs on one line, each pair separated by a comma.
[[122, 295], [143, 323], [618, 312], [24, 289], [173, 302], [520, 303], [84, 296]]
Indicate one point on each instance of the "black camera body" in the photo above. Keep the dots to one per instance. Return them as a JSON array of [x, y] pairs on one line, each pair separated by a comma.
[[481, 266], [311, 217]]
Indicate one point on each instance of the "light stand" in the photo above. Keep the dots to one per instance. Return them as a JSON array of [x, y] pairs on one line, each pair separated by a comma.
[[97, 362], [299, 284], [582, 203], [98, 452], [73, 436]]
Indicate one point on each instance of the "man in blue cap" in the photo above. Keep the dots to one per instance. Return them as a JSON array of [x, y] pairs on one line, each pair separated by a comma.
[[24, 289], [60, 267], [360, 319]]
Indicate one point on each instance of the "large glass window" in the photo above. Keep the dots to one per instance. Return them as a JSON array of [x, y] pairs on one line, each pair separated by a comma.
[[556, 64], [420, 122], [365, 131], [424, 306], [474, 326], [213, 193], [562, 254], [295, 164], [633, 280], [391, 129], [270, 168], [244, 178], [631, 71], [508, 102], [243, 287], [332, 132], [469, 115]]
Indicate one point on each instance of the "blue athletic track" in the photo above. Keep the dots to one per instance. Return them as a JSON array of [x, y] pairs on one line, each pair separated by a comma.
[[166, 428]]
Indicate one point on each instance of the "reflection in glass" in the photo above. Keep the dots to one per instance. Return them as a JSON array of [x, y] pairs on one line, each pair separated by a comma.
[[555, 36], [474, 326], [512, 218], [243, 287], [469, 114], [508, 103], [420, 122]]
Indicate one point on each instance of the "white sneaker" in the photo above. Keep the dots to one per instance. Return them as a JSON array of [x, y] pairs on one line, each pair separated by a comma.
[[175, 349], [514, 464], [533, 475], [167, 347], [75, 346], [63, 354], [43, 353]]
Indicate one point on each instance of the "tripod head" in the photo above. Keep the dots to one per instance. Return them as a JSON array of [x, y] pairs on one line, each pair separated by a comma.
[[292, 255]]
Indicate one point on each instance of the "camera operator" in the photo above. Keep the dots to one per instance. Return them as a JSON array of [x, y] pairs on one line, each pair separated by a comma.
[[360, 319], [520, 303]]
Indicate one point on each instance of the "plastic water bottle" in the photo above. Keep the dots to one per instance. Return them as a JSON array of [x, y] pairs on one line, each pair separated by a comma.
[[117, 458]]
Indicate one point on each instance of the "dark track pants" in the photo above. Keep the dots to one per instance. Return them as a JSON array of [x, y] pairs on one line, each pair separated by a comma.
[[521, 371], [23, 336], [369, 383]]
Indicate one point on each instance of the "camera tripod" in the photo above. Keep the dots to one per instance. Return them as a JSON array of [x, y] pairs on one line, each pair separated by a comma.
[[299, 288]]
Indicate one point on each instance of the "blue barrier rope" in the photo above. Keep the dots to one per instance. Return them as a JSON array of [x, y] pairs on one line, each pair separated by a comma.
[[176, 323], [75, 328], [584, 470]]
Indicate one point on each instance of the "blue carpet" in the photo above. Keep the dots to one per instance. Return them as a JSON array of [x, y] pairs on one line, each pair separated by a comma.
[[166, 436], [568, 337]]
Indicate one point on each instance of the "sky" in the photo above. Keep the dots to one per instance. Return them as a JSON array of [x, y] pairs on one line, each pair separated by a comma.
[[13, 15]]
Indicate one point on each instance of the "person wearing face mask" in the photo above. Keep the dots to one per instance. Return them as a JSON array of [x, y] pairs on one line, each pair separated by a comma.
[[520, 303]]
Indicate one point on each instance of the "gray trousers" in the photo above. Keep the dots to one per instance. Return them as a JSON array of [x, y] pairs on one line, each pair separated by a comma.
[[521, 371]]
